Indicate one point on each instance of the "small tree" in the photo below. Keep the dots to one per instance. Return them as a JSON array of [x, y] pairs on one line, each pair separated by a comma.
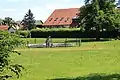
[[9, 21], [8, 43], [28, 21], [1, 21]]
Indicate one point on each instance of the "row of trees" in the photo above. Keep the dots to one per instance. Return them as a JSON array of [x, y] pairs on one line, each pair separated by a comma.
[[99, 15], [8, 21], [28, 21]]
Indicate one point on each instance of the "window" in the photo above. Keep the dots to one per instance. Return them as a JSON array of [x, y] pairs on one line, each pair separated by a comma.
[[67, 19], [61, 19], [56, 19], [50, 19]]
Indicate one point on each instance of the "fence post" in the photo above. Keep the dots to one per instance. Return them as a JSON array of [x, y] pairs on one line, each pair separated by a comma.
[[35, 40], [27, 44], [51, 44], [76, 41], [65, 42], [79, 42]]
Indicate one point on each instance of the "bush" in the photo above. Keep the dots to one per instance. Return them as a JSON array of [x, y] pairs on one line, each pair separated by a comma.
[[94, 77], [23, 34], [3, 32], [54, 32], [8, 44], [71, 33], [54, 29]]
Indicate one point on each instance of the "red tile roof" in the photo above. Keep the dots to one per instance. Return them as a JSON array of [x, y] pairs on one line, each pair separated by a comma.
[[3, 27], [61, 17]]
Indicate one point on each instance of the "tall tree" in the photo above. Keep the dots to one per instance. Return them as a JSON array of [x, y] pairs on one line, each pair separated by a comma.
[[28, 21], [98, 15]]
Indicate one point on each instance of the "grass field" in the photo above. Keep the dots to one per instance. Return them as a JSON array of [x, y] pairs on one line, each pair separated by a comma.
[[50, 63]]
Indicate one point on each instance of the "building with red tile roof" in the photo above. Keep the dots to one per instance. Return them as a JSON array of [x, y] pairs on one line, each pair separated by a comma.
[[62, 18], [4, 27]]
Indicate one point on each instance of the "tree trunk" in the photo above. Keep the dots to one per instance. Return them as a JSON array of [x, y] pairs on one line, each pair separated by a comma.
[[97, 34], [97, 38]]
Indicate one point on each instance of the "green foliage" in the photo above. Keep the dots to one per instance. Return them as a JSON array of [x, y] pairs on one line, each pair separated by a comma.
[[71, 33], [99, 15], [29, 21], [94, 77], [54, 29], [117, 19], [23, 34], [54, 32], [1, 21], [8, 43], [9, 21]]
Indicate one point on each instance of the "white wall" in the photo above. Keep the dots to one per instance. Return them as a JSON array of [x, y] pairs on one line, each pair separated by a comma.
[[11, 30]]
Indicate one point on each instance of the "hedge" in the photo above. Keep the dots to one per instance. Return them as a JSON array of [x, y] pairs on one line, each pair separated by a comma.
[[54, 29], [23, 34], [72, 34]]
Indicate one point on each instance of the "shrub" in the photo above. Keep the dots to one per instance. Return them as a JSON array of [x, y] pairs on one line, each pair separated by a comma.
[[23, 34], [8, 44], [54, 29], [54, 32]]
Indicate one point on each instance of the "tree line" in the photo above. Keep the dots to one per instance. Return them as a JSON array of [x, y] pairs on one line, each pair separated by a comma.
[[28, 21]]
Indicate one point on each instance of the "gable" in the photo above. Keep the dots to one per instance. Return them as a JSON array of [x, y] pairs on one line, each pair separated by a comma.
[[11, 30]]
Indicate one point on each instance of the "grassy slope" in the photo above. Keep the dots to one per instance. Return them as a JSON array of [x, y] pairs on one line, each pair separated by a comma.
[[97, 57]]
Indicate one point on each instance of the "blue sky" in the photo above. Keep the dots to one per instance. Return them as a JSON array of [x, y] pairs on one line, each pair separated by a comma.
[[40, 8]]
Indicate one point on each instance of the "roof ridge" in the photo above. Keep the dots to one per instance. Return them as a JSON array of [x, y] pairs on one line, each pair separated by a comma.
[[66, 8]]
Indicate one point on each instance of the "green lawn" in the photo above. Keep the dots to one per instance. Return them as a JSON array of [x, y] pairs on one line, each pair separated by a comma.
[[42, 40], [50, 63]]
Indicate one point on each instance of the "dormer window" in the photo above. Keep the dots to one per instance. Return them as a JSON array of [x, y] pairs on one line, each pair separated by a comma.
[[50, 19], [67, 19], [56, 19], [75, 17], [61, 19]]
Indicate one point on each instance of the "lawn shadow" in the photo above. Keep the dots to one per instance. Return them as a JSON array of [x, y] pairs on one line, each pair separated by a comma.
[[93, 77], [88, 40]]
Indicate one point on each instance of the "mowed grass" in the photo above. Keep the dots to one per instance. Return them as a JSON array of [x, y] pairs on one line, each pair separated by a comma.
[[50, 63]]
